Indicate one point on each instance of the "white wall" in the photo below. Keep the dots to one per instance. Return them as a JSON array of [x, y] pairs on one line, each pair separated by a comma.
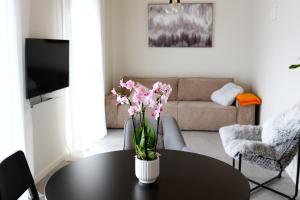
[[276, 47], [48, 118], [229, 56], [107, 43], [49, 128], [45, 19]]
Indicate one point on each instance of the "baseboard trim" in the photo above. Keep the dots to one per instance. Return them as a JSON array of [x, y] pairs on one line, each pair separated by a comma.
[[43, 173]]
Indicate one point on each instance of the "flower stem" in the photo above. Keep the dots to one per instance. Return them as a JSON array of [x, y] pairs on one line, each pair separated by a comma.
[[145, 135], [157, 128], [134, 130], [156, 135]]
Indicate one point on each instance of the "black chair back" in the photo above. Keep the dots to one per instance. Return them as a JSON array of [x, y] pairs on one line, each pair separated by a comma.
[[16, 178]]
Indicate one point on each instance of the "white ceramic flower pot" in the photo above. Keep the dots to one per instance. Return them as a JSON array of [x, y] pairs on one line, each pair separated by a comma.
[[147, 171]]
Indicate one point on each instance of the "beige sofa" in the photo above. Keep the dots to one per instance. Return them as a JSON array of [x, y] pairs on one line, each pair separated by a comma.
[[189, 104]]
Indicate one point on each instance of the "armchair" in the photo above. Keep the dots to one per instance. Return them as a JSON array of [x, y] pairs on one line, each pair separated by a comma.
[[271, 146]]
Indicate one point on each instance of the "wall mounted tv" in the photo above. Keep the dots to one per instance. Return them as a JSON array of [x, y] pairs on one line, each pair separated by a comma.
[[47, 66]]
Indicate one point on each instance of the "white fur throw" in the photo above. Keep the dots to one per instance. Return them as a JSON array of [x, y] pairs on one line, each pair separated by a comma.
[[282, 127], [226, 95]]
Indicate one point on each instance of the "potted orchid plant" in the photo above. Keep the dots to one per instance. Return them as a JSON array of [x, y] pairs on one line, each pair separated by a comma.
[[144, 137]]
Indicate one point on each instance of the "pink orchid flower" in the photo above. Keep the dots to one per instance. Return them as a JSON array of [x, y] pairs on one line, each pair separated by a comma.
[[157, 87], [122, 84], [166, 89], [130, 85], [122, 100], [151, 99], [144, 98], [157, 111], [133, 110], [164, 99], [140, 94], [114, 92]]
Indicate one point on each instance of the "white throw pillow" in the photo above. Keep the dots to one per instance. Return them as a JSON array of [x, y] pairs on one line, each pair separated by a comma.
[[226, 95], [281, 128]]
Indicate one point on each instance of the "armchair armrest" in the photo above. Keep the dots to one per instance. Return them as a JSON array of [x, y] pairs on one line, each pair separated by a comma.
[[242, 132], [256, 148]]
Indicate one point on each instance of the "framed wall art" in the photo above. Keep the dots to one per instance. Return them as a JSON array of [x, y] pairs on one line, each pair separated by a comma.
[[188, 25]]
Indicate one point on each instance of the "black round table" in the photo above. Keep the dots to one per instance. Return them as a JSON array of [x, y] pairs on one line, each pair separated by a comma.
[[184, 176]]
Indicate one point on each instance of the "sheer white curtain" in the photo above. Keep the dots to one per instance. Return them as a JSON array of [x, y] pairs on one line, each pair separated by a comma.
[[11, 107], [82, 25]]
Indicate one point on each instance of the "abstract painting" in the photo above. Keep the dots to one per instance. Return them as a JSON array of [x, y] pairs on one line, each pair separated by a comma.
[[192, 26]]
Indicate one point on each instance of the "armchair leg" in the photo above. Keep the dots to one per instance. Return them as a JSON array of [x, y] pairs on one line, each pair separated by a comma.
[[240, 162], [233, 162], [297, 176], [264, 185]]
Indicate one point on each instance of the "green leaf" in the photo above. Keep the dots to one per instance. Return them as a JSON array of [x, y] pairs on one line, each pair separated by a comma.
[[142, 141], [151, 155], [139, 143], [141, 154], [295, 66], [137, 135], [151, 136], [146, 130]]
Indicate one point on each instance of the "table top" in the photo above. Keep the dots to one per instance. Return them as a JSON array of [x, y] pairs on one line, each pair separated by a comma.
[[110, 176]]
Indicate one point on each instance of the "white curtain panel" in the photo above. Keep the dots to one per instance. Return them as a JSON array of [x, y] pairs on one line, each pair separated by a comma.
[[11, 107], [12, 134], [82, 24]]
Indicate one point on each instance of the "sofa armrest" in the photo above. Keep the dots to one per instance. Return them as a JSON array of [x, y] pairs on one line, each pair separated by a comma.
[[111, 111], [245, 114]]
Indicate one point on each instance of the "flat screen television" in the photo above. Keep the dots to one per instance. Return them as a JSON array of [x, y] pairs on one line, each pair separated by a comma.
[[47, 66]]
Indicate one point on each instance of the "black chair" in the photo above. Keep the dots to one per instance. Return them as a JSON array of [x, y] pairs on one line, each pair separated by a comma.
[[16, 178]]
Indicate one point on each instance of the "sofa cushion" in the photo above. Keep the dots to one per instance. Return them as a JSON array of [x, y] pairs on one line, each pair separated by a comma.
[[148, 82], [199, 89], [203, 115]]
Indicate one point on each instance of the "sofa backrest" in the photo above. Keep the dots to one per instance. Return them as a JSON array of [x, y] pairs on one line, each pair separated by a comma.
[[199, 89], [148, 82]]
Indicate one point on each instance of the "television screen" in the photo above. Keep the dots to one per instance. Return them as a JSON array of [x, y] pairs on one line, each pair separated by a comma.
[[47, 66]]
